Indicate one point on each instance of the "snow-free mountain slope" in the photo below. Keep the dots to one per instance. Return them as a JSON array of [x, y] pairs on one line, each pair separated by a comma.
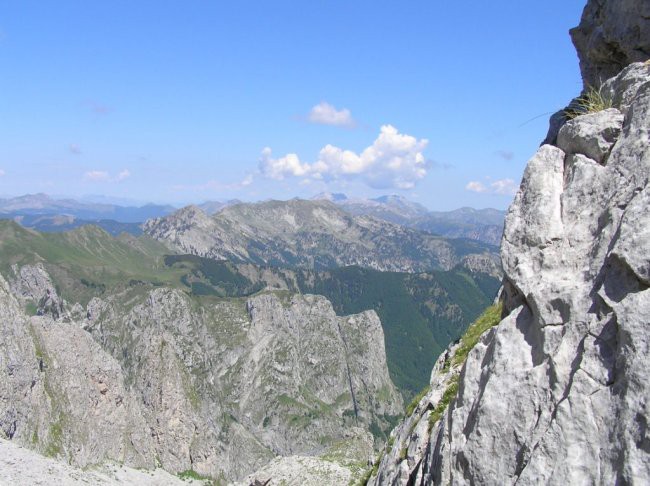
[[310, 234]]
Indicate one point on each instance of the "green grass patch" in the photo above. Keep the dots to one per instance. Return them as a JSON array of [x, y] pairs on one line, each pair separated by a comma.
[[31, 309], [389, 444], [54, 439], [490, 318], [192, 474], [441, 406], [416, 400], [371, 472], [87, 261]]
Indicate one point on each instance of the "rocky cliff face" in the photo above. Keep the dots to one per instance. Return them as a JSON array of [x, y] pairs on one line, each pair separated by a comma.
[[611, 35], [309, 234], [558, 391], [154, 377]]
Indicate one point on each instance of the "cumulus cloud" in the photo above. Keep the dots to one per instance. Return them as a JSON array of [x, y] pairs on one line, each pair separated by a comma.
[[476, 186], [503, 187], [325, 114], [506, 187], [104, 176], [394, 160]]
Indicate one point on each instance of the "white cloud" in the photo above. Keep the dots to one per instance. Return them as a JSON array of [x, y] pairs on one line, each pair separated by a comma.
[[503, 187], [394, 160], [277, 169], [475, 186], [246, 181], [506, 187], [96, 175], [104, 176], [2, 172], [325, 114]]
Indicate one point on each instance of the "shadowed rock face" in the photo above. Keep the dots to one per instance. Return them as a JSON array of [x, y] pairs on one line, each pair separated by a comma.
[[611, 35], [558, 391]]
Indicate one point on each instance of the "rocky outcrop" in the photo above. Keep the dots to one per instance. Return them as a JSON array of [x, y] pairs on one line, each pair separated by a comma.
[[218, 387], [558, 391], [62, 395], [342, 464], [612, 34], [33, 286]]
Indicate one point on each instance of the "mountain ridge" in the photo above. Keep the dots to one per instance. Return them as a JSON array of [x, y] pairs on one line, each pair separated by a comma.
[[310, 234]]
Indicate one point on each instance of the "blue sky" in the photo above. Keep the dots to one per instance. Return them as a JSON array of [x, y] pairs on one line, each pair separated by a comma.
[[185, 101]]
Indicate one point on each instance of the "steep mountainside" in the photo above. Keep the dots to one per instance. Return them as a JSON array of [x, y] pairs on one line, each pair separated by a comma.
[[420, 313], [557, 391], [105, 355], [310, 234]]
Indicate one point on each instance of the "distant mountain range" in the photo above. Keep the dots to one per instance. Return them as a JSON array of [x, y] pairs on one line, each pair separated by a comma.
[[44, 205], [477, 224], [46, 213]]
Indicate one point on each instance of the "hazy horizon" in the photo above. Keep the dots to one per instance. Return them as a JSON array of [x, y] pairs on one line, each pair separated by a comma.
[[132, 202]]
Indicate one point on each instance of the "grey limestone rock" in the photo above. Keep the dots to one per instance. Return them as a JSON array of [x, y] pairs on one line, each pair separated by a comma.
[[557, 393], [31, 283], [591, 135], [612, 34], [62, 395], [158, 378]]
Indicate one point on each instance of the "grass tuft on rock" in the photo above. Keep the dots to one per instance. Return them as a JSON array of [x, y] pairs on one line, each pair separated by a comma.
[[490, 318], [416, 400], [441, 406], [592, 101]]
